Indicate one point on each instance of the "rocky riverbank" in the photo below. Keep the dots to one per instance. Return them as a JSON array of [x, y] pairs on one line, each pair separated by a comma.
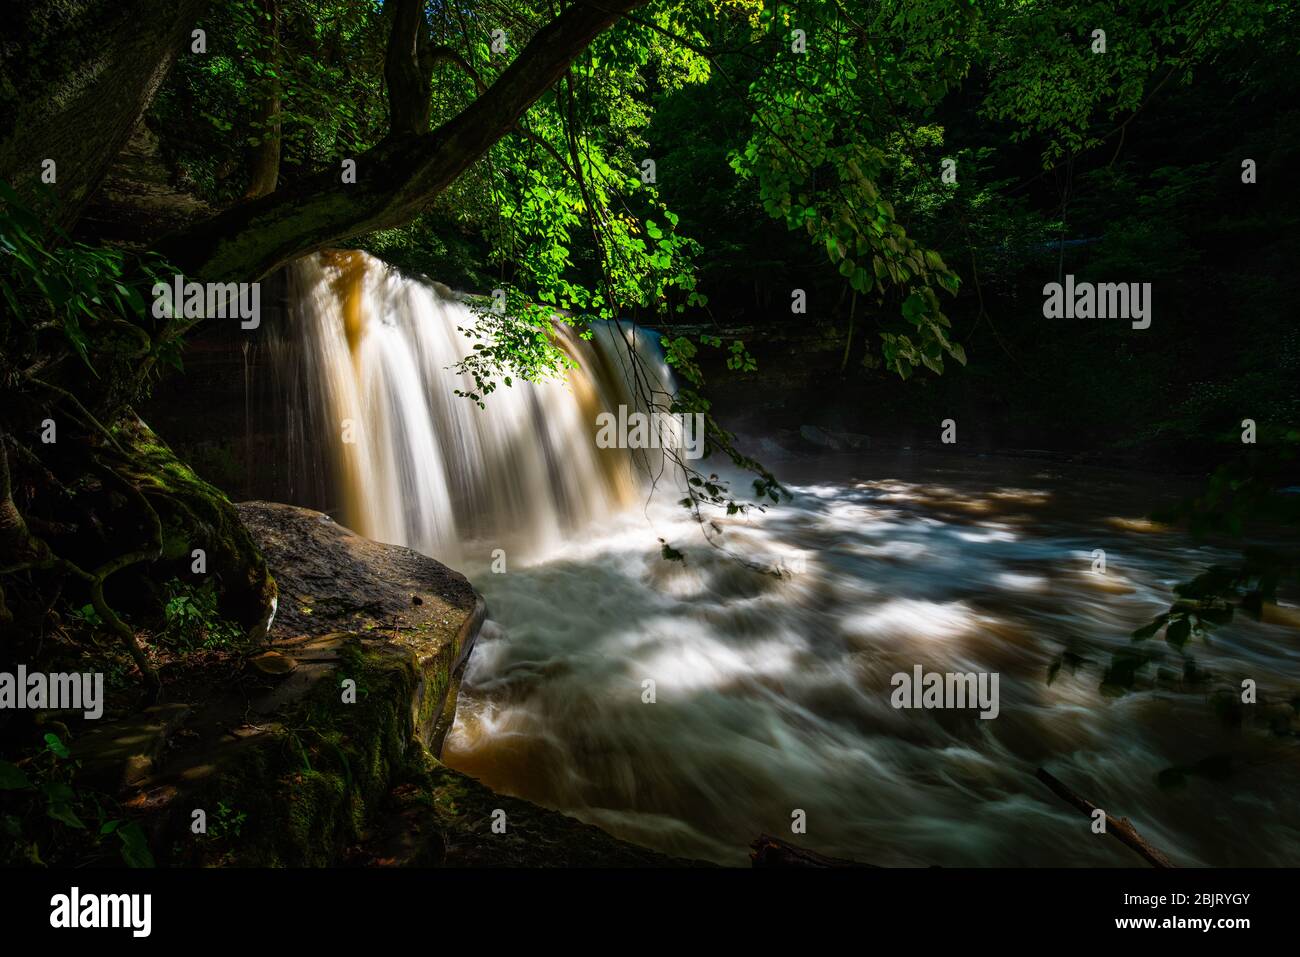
[[322, 748]]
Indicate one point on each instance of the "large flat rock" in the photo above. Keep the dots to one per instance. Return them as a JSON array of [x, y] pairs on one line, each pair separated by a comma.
[[333, 581]]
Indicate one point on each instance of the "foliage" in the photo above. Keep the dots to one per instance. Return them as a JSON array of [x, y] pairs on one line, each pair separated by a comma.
[[43, 813], [93, 296], [226, 823], [192, 620], [1071, 96], [324, 68], [99, 494], [816, 179]]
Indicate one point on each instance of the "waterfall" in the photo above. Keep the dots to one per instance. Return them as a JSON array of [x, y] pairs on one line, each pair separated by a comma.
[[369, 394], [689, 705]]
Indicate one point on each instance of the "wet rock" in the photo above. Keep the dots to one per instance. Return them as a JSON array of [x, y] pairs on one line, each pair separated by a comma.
[[121, 754], [334, 582]]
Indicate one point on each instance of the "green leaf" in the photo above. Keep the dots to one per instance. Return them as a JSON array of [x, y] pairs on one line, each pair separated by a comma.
[[135, 847], [59, 803], [671, 554], [1146, 631], [913, 306]]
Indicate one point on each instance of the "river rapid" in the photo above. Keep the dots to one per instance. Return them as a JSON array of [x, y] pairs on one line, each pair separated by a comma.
[[773, 693]]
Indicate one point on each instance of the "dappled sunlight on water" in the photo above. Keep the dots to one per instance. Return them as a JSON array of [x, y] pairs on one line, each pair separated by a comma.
[[773, 693]]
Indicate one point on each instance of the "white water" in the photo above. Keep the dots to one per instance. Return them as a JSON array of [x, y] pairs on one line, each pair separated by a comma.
[[772, 693], [413, 463]]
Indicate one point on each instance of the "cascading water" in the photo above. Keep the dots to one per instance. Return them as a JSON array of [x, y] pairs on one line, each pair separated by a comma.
[[413, 463], [772, 693]]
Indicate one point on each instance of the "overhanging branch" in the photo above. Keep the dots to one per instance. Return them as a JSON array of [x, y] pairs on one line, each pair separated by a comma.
[[397, 178]]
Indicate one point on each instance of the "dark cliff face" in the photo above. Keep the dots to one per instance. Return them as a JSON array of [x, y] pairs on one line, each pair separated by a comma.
[[226, 414]]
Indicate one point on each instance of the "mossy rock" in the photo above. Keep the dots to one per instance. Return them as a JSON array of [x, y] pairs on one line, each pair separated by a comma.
[[302, 781], [197, 515]]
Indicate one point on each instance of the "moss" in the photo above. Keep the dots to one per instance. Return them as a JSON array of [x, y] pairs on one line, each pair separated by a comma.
[[316, 811], [176, 541], [310, 785], [320, 784], [195, 514]]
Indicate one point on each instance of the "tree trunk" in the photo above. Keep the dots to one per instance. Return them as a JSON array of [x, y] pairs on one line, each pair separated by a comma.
[[771, 851], [407, 77], [266, 155], [75, 78]]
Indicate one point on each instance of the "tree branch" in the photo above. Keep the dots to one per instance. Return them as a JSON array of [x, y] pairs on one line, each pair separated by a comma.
[[449, 55], [1120, 829], [396, 179]]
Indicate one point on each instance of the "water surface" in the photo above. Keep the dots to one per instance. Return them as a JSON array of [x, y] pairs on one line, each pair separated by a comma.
[[773, 693]]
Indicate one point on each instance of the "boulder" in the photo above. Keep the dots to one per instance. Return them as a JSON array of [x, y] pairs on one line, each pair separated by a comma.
[[333, 581]]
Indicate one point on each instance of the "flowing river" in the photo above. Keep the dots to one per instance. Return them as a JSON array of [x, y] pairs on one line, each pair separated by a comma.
[[692, 705]]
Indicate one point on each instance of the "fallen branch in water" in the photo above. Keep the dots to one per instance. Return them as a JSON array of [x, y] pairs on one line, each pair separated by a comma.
[[1119, 828], [773, 852]]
